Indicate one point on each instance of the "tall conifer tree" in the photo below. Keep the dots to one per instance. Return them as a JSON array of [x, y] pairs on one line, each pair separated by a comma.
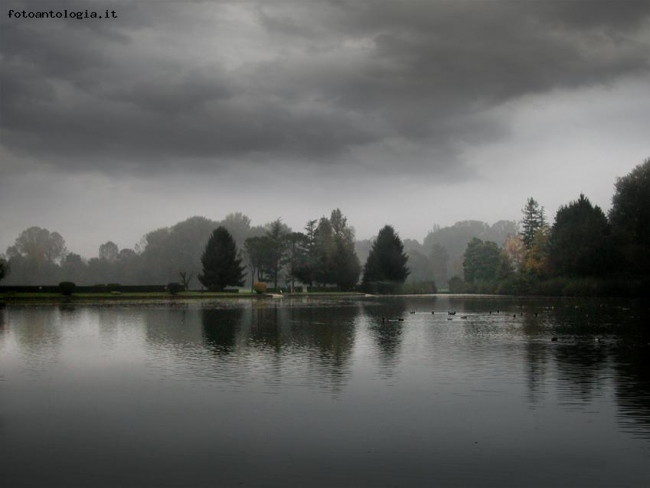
[[532, 221], [386, 266], [221, 265]]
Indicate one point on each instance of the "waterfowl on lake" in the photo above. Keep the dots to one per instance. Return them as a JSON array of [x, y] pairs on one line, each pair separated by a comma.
[[452, 313]]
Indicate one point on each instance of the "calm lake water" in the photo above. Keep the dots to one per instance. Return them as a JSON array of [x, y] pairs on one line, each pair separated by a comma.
[[326, 392]]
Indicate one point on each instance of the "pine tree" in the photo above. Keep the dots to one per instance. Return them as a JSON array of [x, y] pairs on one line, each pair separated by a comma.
[[386, 266], [221, 265], [533, 219]]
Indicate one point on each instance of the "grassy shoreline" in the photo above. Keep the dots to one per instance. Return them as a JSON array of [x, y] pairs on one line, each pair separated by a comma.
[[22, 298]]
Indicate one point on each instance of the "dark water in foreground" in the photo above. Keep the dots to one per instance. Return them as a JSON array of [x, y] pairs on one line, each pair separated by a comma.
[[325, 393]]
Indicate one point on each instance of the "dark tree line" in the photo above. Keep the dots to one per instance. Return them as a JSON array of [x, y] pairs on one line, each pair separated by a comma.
[[584, 251]]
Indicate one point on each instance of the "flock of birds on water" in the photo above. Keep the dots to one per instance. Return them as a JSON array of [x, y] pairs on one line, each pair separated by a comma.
[[451, 313]]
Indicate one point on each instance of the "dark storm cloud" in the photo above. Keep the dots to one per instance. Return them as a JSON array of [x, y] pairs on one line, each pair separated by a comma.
[[204, 84]]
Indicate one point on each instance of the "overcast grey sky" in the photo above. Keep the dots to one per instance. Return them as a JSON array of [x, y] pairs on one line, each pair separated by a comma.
[[403, 112]]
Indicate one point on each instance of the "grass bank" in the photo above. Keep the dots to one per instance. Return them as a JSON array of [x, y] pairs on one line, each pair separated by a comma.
[[45, 297]]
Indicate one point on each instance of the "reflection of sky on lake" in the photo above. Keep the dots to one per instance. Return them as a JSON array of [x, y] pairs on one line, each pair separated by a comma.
[[273, 390]]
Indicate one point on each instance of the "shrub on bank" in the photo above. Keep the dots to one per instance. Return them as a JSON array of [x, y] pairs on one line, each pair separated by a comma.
[[67, 287], [259, 287], [174, 288]]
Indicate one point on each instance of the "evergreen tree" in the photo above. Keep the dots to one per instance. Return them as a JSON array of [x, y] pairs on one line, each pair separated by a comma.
[[221, 265], [630, 220], [630, 213], [533, 219], [579, 243], [345, 265], [386, 266]]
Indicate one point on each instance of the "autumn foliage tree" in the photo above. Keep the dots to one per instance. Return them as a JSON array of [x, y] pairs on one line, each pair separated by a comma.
[[514, 252], [536, 256]]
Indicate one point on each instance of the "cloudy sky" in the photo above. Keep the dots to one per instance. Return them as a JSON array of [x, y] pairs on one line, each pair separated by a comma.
[[412, 113]]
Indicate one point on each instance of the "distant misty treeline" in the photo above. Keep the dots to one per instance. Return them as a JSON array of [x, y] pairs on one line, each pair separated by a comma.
[[582, 250], [173, 254]]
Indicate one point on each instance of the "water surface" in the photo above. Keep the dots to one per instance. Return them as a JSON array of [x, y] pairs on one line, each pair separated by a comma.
[[332, 392]]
